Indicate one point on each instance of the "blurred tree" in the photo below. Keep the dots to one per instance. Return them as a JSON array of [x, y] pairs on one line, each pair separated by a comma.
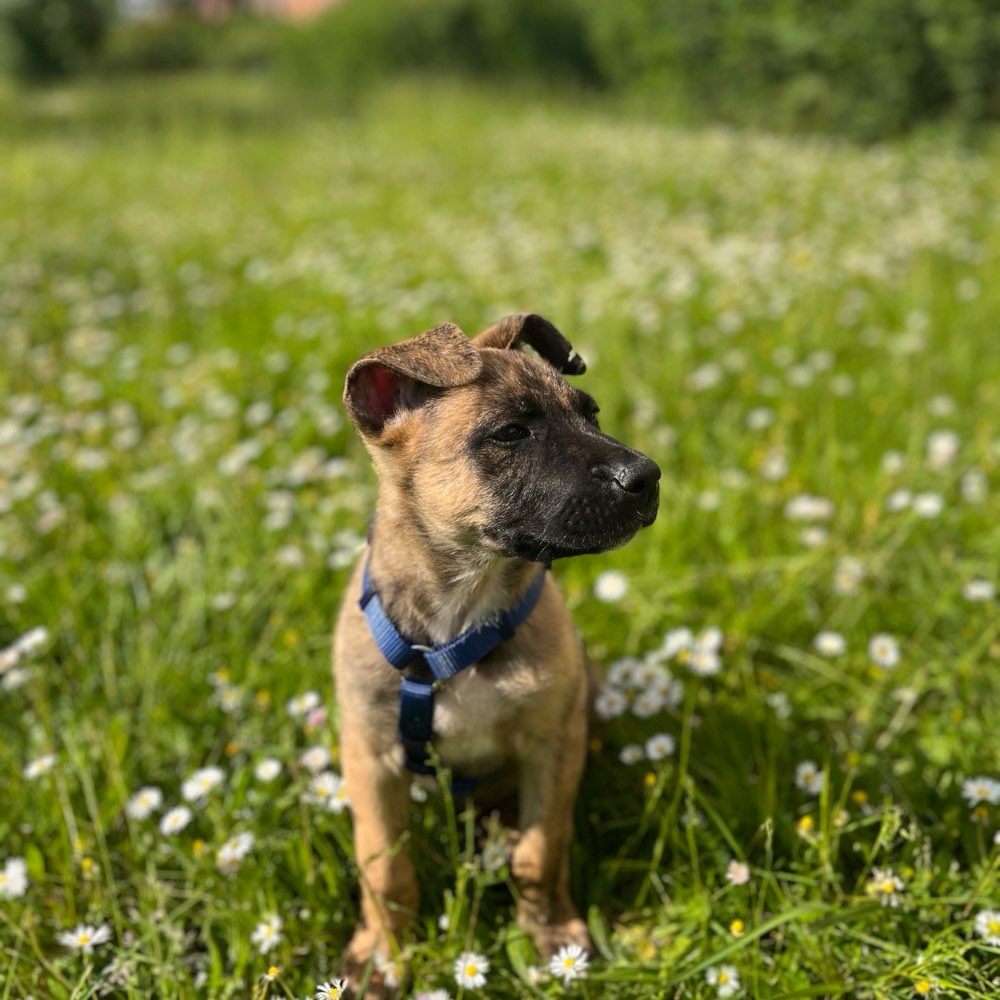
[[52, 38]]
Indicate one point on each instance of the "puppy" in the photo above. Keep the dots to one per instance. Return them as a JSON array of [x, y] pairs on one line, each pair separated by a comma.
[[453, 645]]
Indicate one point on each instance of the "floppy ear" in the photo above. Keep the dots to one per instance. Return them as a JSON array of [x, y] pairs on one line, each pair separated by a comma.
[[403, 376], [531, 329]]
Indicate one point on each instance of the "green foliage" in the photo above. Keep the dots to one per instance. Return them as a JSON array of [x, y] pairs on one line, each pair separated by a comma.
[[53, 38], [360, 42]]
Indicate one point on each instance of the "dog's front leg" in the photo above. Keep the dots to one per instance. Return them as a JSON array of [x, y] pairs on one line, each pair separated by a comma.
[[380, 800], [550, 776]]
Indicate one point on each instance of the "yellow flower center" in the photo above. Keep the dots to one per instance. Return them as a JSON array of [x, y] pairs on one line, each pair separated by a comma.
[[84, 938], [736, 927], [923, 987], [568, 962], [723, 978], [993, 926], [888, 886], [471, 970], [273, 971]]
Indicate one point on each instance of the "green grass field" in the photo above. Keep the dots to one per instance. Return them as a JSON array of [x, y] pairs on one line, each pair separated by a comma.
[[805, 335]]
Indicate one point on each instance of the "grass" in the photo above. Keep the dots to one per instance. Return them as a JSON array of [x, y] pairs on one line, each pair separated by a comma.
[[187, 270]]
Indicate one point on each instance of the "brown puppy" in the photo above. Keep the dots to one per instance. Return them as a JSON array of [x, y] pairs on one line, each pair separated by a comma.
[[490, 465]]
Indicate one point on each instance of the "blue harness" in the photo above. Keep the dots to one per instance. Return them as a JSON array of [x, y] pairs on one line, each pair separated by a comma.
[[416, 697]]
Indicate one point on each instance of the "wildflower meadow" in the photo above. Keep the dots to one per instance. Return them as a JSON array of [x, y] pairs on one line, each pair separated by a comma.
[[793, 783]]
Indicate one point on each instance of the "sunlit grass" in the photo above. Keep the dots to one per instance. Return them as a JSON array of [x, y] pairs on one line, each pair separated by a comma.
[[185, 274]]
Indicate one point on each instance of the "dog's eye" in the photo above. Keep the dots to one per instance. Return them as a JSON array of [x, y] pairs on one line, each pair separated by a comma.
[[509, 433], [592, 416]]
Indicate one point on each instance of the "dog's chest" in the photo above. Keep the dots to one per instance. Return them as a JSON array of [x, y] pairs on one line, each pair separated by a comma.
[[474, 713]]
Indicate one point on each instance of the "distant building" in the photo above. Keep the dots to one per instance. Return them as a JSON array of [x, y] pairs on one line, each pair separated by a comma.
[[216, 10]]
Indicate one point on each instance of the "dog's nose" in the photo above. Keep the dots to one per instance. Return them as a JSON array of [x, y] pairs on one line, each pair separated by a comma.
[[633, 474]]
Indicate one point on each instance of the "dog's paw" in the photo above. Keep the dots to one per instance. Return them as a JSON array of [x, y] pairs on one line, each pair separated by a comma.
[[370, 976], [549, 938]]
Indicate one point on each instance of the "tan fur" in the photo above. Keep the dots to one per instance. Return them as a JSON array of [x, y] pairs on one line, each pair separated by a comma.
[[522, 712]]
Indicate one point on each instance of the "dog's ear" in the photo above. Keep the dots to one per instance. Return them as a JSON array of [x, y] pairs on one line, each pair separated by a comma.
[[531, 329], [404, 376]]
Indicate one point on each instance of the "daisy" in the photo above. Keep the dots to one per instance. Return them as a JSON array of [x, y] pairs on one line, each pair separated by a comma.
[[648, 703], [315, 759], [988, 926], [848, 576], [331, 991], [610, 703], [267, 770], [898, 500], [267, 934], [569, 963], [631, 753], [145, 801], [230, 855], [39, 766], [301, 704], [677, 640], [610, 586], [704, 662], [883, 650], [809, 778], [327, 790], [737, 873], [660, 746], [725, 979], [13, 879], [471, 969], [981, 789], [830, 644], [807, 507], [979, 591], [175, 820], [885, 886], [942, 449], [198, 787], [85, 938], [928, 504], [432, 995]]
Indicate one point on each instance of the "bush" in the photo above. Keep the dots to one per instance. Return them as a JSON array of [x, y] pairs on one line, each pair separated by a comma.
[[52, 38], [366, 40]]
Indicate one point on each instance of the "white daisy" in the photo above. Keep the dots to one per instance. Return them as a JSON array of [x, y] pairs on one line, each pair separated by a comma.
[[631, 753], [848, 575], [302, 704], [942, 449], [200, 784], [885, 886], [660, 746], [471, 969], [806, 507], [979, 591], [829, 643], [13, 879], [704, 662], [175, 820], [569, 963], [648, 703], [610, 586], [898, 500], [883, 650], [85, 937], [267, 934], [988, 926], [230, 855], [809, 778], [677, 640], [610, 703], [725, 979], [981, 789], [39, 766], [267, 770], [327, 789], [331, 991], [928, 504], [144, 802], [315, 759], [737, 873]]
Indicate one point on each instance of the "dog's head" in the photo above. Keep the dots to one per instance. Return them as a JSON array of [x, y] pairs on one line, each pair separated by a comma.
[[489, 447]]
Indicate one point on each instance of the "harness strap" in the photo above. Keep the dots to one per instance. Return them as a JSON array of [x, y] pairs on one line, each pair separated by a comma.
[[416, 696]]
